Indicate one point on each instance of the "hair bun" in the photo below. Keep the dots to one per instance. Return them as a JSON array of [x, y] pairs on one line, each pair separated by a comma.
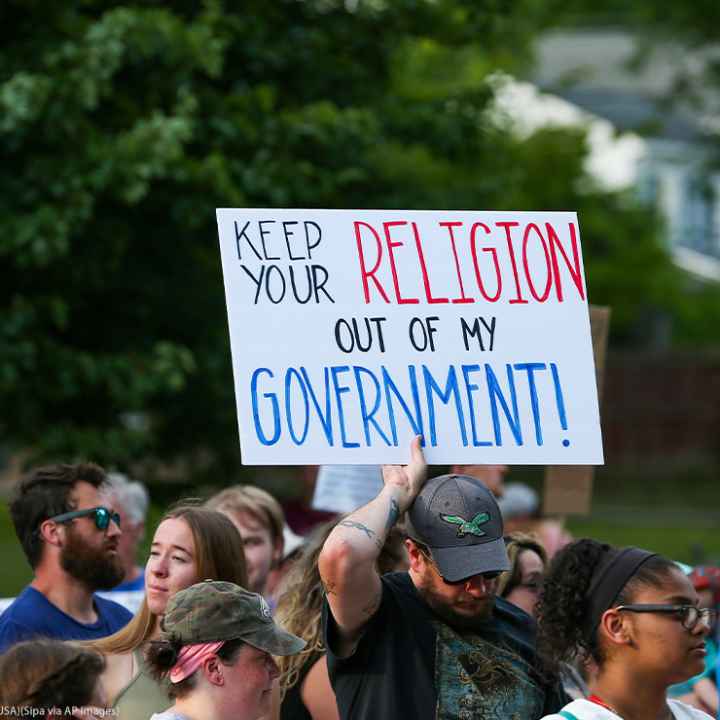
[[163, 654]]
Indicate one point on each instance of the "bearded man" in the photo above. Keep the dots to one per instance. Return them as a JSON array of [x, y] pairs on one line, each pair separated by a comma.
[[434, 642], [70, 537]]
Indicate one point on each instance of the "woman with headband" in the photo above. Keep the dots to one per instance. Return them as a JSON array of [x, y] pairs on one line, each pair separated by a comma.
[[635, 616], [216, 652]]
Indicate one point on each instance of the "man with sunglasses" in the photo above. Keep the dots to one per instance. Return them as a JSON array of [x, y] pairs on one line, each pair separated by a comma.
[[70, 537], [434, 642]]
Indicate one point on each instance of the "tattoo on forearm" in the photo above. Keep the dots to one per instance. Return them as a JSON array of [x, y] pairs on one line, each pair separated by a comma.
[[393, 514], [329, 586], [372, 535], [358, 526]]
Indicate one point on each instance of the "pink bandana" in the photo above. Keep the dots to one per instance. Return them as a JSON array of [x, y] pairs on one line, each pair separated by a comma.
[[190, 659]]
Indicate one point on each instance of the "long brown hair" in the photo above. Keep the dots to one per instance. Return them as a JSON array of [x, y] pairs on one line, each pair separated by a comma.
[[300, 604], [219, 555], [47, 674]]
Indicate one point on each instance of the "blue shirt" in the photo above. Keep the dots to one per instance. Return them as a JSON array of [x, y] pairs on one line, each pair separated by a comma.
[[31, 615]]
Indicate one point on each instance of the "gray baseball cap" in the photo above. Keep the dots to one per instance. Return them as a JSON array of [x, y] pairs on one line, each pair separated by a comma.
[[458, 519], [212, 611]]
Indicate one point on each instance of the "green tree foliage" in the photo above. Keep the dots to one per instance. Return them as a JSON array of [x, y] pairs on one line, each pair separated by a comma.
[[122, 128], [694, 23]]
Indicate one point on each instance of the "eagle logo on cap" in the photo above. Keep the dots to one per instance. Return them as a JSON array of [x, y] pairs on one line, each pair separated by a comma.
[[467, 527]]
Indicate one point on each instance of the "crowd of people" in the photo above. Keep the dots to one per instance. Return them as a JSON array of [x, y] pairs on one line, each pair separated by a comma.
[[444, 598]]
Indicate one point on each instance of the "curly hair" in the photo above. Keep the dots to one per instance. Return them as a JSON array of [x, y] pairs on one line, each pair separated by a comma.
[[563, 605], [299, 608], [48, 674]]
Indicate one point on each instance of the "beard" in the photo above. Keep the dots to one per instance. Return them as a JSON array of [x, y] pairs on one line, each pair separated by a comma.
[[92, 566], [473, 619]]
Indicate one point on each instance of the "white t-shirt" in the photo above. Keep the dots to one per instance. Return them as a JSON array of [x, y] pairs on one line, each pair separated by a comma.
[[586, 710], [169, 715]]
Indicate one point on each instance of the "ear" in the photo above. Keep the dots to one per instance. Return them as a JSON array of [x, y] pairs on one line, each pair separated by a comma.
[[51, 533], [417, 560], [212, 669], [616, 628]]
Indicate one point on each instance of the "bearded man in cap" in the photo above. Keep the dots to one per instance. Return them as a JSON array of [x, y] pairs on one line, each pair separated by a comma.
[[434, 642]]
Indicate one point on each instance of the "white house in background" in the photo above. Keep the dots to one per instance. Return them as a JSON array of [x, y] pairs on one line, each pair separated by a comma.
[[669, 157]]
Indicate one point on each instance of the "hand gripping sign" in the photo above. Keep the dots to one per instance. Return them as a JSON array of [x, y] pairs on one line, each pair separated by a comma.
[[353, 330]]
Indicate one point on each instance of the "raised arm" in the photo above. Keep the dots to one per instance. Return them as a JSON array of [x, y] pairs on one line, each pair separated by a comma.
[[348, 561]]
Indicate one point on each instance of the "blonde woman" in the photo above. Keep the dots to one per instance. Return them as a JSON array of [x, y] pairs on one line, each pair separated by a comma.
[[521, 584], [190, 544]]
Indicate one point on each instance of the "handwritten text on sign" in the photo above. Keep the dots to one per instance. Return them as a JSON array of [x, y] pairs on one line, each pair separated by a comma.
[[353, 331]]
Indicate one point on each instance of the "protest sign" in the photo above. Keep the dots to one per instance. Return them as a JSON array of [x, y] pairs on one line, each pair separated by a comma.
[[353, 330]]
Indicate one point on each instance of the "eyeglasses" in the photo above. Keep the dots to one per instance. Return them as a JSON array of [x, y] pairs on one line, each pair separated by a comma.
[[486, 576], [103, 516], [689, 615]]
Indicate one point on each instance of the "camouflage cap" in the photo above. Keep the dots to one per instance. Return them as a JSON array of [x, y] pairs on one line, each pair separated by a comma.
[[213, 611]]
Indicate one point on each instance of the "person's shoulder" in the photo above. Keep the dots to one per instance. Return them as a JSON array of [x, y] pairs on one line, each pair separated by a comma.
[[28, 608], [24, 619], [681, 711], [400, 593], [512, 613], [514, 619], [12, 632], [398, 582], [120, 669]]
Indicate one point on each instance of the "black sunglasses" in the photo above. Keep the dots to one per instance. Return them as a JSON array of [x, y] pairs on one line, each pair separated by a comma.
[[103, 516], [689, 615]]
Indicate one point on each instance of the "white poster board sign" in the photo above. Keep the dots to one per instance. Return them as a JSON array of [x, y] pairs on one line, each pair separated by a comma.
[[354, 330], [345, 488]]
